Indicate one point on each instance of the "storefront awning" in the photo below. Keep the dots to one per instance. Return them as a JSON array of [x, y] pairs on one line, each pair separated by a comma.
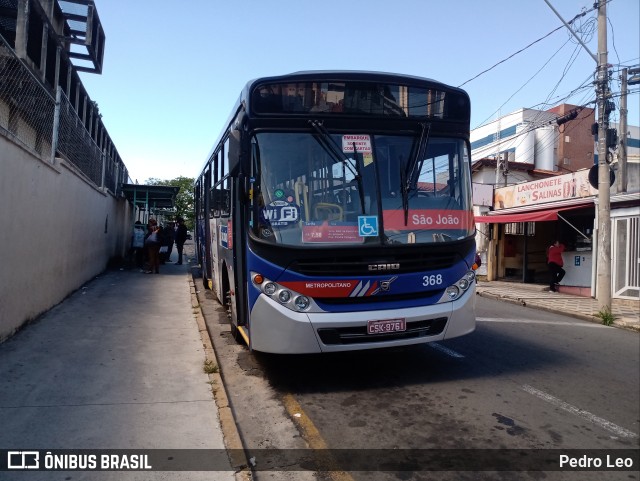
[[543, 215]]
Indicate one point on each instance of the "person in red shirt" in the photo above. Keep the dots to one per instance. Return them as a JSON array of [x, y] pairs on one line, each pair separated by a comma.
[[554, 260]]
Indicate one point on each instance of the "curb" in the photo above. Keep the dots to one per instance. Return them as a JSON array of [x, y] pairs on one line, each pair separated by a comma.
[[498, 297], [230, 433], [577, 315]]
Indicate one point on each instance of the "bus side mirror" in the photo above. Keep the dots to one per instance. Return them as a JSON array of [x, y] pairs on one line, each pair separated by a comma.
[[238, 123], [234, 151]]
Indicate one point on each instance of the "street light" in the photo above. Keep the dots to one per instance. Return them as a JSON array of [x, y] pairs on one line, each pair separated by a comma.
[[634, 74]]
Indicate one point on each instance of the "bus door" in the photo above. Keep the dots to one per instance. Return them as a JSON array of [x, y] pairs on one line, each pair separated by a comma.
[[215, 256], [225, 263], [206, 260], [239, 233]]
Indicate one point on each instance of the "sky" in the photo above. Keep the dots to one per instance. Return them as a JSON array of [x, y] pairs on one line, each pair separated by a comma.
[[173, 70]]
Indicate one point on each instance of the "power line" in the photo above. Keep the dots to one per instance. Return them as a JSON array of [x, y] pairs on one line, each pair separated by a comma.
[[582, 14], [510, 56], [547, 102], [524, 85]]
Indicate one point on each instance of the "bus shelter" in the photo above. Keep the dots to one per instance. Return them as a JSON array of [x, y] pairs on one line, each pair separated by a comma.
[[150, 200]]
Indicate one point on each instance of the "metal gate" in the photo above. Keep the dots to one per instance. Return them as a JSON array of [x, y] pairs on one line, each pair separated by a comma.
[[626, 257]]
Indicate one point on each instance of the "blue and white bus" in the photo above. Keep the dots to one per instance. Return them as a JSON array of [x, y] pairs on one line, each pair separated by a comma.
[[334, 213]]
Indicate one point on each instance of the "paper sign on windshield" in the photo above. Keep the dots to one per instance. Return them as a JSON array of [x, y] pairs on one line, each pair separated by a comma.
[[362, 144]]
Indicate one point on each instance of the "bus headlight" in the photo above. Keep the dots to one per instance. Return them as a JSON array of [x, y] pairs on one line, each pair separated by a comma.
[[283, 295], [456, 290], [269, 288], [453, 292], [302, 302]]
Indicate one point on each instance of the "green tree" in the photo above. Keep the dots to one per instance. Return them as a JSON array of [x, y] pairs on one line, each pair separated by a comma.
[[184, 199]]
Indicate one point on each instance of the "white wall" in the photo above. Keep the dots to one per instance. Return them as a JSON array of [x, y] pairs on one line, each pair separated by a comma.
[[52, 236], [528, 118]]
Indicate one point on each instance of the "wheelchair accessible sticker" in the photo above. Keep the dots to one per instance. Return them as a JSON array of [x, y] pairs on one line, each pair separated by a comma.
[[367, 226]]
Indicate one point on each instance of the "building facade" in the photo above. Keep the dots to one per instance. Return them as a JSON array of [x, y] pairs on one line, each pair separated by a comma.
[[540, 165], [61, 202]]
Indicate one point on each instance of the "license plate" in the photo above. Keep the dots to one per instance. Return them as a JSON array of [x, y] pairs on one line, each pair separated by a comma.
[[386, 325]]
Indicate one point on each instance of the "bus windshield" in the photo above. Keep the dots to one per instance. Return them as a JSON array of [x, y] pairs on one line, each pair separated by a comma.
[[320, 189]]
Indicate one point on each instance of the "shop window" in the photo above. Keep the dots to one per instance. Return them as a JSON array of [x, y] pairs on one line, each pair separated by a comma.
[[517, 228]]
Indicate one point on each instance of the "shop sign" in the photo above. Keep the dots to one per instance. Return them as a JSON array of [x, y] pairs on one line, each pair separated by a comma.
[[563, 187]]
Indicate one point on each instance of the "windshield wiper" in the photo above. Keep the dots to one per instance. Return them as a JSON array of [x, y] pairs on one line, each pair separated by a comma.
[[329, 145], [404, 190], [409, 175]]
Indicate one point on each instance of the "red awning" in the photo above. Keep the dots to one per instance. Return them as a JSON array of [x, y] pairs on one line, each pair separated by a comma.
[[533, 216]]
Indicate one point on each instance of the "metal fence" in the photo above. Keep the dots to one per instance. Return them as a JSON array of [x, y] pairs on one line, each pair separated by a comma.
[[75, 143], [49, 127], [26, 108]]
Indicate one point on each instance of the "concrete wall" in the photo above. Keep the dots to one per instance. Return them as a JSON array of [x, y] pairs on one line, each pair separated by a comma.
[[58, 231]]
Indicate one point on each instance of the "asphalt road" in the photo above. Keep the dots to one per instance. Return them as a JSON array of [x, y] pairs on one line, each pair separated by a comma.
[[526, 381]]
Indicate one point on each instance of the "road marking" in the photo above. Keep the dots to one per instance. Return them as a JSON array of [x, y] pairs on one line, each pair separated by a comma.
[[603, 423], [446, 350], [531, 321], [311, 434]]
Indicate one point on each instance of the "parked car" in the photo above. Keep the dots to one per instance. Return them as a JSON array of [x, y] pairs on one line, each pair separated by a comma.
[[189, 235]]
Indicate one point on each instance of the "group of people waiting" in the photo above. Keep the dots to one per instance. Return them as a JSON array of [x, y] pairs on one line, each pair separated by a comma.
[[153, 246]]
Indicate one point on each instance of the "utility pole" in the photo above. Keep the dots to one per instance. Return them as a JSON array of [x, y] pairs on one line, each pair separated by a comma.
[[629, 77], [603, 262], [499, 166], [603, 279], [622, 145]]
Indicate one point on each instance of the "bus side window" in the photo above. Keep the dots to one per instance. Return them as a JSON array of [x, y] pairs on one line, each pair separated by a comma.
[[214, 202], [225, 197]]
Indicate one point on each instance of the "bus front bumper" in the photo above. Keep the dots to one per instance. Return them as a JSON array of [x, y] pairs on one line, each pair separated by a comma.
[[276, 329]]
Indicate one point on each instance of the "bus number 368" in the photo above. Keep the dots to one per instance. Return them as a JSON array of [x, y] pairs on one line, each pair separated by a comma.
[[433, 280]]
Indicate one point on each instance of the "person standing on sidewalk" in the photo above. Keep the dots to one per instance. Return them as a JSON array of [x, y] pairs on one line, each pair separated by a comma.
[[152, 243], [170, 234], [554, 260], [137, 244], [181, 238]]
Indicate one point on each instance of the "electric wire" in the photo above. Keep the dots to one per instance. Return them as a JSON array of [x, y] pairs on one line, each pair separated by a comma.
[[586, 31], [509, 57], [533, 127], [523, 86], [581, 14], [534, 124]]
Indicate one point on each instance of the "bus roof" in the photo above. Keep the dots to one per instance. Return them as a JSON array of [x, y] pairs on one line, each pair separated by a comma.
[[328, 76], [363, 75]]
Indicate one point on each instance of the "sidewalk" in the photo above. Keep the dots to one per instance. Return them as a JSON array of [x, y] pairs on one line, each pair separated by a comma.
[[626, 313], [117, 365]]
